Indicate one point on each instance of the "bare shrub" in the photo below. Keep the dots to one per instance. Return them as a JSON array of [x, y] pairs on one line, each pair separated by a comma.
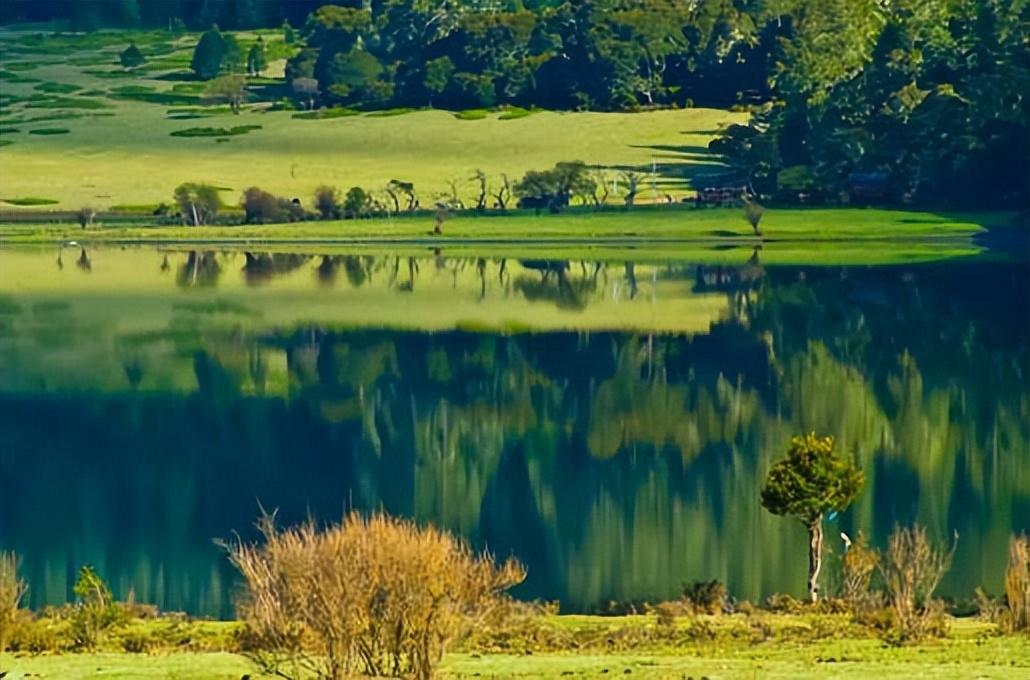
[[706, 597], [376, 595], [12, 590], [989, 609], [912, 568], [1017, 583], [858, 565]]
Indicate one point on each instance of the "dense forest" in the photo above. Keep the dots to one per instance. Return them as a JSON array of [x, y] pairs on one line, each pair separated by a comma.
[[920, 101]]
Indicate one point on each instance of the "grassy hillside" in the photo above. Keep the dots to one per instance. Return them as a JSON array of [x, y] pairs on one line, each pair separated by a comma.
[[80, 130]]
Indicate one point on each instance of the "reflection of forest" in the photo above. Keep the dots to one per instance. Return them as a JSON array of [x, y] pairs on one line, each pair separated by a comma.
[[617, 465]]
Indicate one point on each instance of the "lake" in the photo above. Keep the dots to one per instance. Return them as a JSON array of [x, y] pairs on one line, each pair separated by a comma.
[[608, 422]]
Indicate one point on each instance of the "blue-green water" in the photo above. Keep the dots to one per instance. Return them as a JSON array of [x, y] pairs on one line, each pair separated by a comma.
[[617, 447]]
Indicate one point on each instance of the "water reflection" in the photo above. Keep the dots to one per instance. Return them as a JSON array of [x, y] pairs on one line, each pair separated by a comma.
[[140, 423]]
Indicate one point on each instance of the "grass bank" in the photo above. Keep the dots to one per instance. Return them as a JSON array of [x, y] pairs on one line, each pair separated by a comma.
[[763, 645], [658, 223]]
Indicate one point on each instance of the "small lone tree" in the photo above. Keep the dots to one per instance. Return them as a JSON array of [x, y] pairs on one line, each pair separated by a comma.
[[131, 57], [256, 60], [809, 483], [753, 213], [198, 203], [229, 89], [289, 34], [327, 202]]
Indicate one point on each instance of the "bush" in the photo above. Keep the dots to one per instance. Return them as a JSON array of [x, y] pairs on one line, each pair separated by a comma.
[[376, 595], [261, 207], [858, 566], [1017, 583], [12, 590], [327, 202], [357, 203], [35, 637], [472, 114], [912, 568], [95, 610], [706, 597]]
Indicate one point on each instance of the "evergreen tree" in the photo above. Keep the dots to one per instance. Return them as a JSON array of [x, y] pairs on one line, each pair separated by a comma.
[[208, 55], [131, 57], [256, 61]]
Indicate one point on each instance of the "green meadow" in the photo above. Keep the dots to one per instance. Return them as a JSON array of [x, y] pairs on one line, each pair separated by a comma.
[[132, 137], [799, 646]]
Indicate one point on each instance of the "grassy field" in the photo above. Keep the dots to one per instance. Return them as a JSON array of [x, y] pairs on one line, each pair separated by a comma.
[[116, 145], [973, 650], [652, 224]]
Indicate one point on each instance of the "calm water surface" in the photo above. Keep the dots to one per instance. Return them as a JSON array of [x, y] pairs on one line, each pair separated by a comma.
[[608, 423]]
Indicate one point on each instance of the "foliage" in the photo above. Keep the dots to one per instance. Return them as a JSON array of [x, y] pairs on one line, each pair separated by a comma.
[[131, 57], [327, 202], [12, 591], [858, 565], [706, 597], [912, 568], [554, 188], [261, 207], [257, 62], [357, 203], [1017, 583], [208, 54], [95, 610], [228, 89], [811, 481], [374, 595], [198, 203]]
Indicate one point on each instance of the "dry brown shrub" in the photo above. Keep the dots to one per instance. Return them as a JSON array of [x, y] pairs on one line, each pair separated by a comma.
[[372, 595], [706, 597], [12, 590], [912, 568], [1017, 583], [858, 565]]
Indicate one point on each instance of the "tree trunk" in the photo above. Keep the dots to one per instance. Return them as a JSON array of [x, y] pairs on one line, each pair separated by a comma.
[[815, 557]]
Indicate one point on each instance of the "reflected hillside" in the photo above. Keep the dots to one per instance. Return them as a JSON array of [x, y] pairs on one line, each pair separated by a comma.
[[617, 463]]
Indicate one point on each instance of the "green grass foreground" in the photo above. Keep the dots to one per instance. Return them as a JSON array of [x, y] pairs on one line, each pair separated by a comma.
[[788, 646]]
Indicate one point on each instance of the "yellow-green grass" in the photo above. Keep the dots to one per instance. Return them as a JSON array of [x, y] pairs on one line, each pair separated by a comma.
[[973, 650], [131, 157], [651, 223]]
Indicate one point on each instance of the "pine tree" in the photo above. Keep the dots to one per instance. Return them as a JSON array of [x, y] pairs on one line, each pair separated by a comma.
[[208, 55], [256, 61], [131, 57]]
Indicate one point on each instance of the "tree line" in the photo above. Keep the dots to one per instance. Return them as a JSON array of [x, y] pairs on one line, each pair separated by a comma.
[[552, 189]]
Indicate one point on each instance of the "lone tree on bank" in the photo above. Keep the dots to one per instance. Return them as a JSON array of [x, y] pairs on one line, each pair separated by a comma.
[[809, 483], [208, 54]]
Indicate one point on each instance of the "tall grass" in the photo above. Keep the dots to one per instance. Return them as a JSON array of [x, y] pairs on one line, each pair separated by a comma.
[[372, 595], [1017, 583], [12, 590]]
